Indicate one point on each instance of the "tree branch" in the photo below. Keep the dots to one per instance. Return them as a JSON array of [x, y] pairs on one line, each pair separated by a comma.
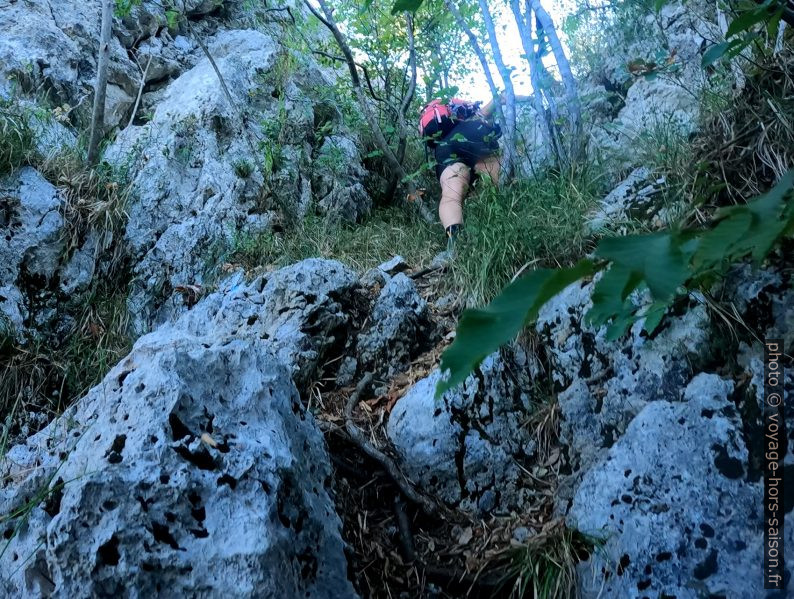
[[508, 163]]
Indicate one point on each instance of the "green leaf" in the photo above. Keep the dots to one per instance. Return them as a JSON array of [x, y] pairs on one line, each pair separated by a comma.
[[747, 19], [657, 258], [653, 316], [714, 53], [482, 331], [610, 293], [659, 4], [715, 245], [171, 18], [365, 7], [403, 5]]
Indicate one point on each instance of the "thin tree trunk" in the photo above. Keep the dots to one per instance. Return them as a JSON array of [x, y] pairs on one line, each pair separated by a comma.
[[537, 94], [475, 45], [568, 81], [408, 97], [327, 19], [509, 161], [100, 90]]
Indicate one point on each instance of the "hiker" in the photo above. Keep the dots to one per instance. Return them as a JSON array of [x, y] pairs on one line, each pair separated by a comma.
[[463, 138]]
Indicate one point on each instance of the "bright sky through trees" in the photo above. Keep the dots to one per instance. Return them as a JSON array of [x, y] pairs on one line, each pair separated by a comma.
[[475, 87]]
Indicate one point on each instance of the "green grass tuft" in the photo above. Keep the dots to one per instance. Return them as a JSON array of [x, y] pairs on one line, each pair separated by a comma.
[[539, 222], [16, 139], [545, 568], [386, 232]]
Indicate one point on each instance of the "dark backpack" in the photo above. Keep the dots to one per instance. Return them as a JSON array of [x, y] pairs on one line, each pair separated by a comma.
[[437, 119]]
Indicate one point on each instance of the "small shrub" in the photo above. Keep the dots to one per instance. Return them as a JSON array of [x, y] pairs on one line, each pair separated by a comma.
[[243, 168], [46, 374]]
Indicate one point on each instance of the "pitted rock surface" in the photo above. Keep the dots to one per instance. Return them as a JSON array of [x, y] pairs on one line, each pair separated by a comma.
[[467, 447], [605, 384], [193, 467], [673, 500], [401, 328], [196, 186], [30, 249]]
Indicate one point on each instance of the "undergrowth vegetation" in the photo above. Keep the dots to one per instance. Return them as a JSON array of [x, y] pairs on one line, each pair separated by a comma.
[[42, 375], [43, 371], [385, 232], [527, 224]]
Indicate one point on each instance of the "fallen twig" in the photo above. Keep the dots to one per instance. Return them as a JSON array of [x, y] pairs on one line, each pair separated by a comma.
[[428, 505]]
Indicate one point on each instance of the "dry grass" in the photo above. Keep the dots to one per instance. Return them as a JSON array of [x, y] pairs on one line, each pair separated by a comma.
[[744, 150]]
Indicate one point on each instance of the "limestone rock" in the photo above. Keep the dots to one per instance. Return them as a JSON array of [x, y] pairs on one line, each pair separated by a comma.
[[466, 447], [637, 196], [52, 46], [674, 503], [337, 179], [193, 467], [605, 384], [31, 247], [401, 328]]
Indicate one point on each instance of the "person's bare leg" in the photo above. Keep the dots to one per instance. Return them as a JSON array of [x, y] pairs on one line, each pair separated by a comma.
[[490, 166], [454, 185]]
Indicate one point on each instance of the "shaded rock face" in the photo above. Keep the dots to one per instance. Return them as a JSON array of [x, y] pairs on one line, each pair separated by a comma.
[[192, 468], [197, 186], [305, 312], [672, 499], [665, 462], [50, 48], [401, 328], [337, 180], [467, 447], [31, 246], [607, 383], [666, 103], [638, 196]]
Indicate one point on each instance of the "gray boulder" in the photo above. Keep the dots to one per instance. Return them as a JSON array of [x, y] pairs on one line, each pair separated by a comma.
[[467, 448], [605, 384], [401, 328], [638, 196], [31, 245], [674, 503], [196, 185], [52, 46], [304, 311], [192, 469]]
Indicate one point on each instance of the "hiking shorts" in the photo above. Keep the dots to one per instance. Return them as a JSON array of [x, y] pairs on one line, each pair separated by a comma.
[[468, 142]]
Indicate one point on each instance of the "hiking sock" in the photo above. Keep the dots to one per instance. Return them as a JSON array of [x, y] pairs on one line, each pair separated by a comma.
[[453, 232]]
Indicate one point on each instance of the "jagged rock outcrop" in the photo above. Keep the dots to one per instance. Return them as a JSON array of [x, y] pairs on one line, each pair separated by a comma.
[[196, 182], [31, 246], [605, 384], [467, 447], [674, 503], [193, 467], [657, 77], [197, 187], [337, 180], [401, 328], [639, 196]]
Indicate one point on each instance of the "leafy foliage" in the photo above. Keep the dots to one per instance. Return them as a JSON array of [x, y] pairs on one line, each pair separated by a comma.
[[665, 264], [741, 34]]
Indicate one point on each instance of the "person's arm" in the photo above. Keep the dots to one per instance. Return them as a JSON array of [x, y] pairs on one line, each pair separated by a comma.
[[488, 110]]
